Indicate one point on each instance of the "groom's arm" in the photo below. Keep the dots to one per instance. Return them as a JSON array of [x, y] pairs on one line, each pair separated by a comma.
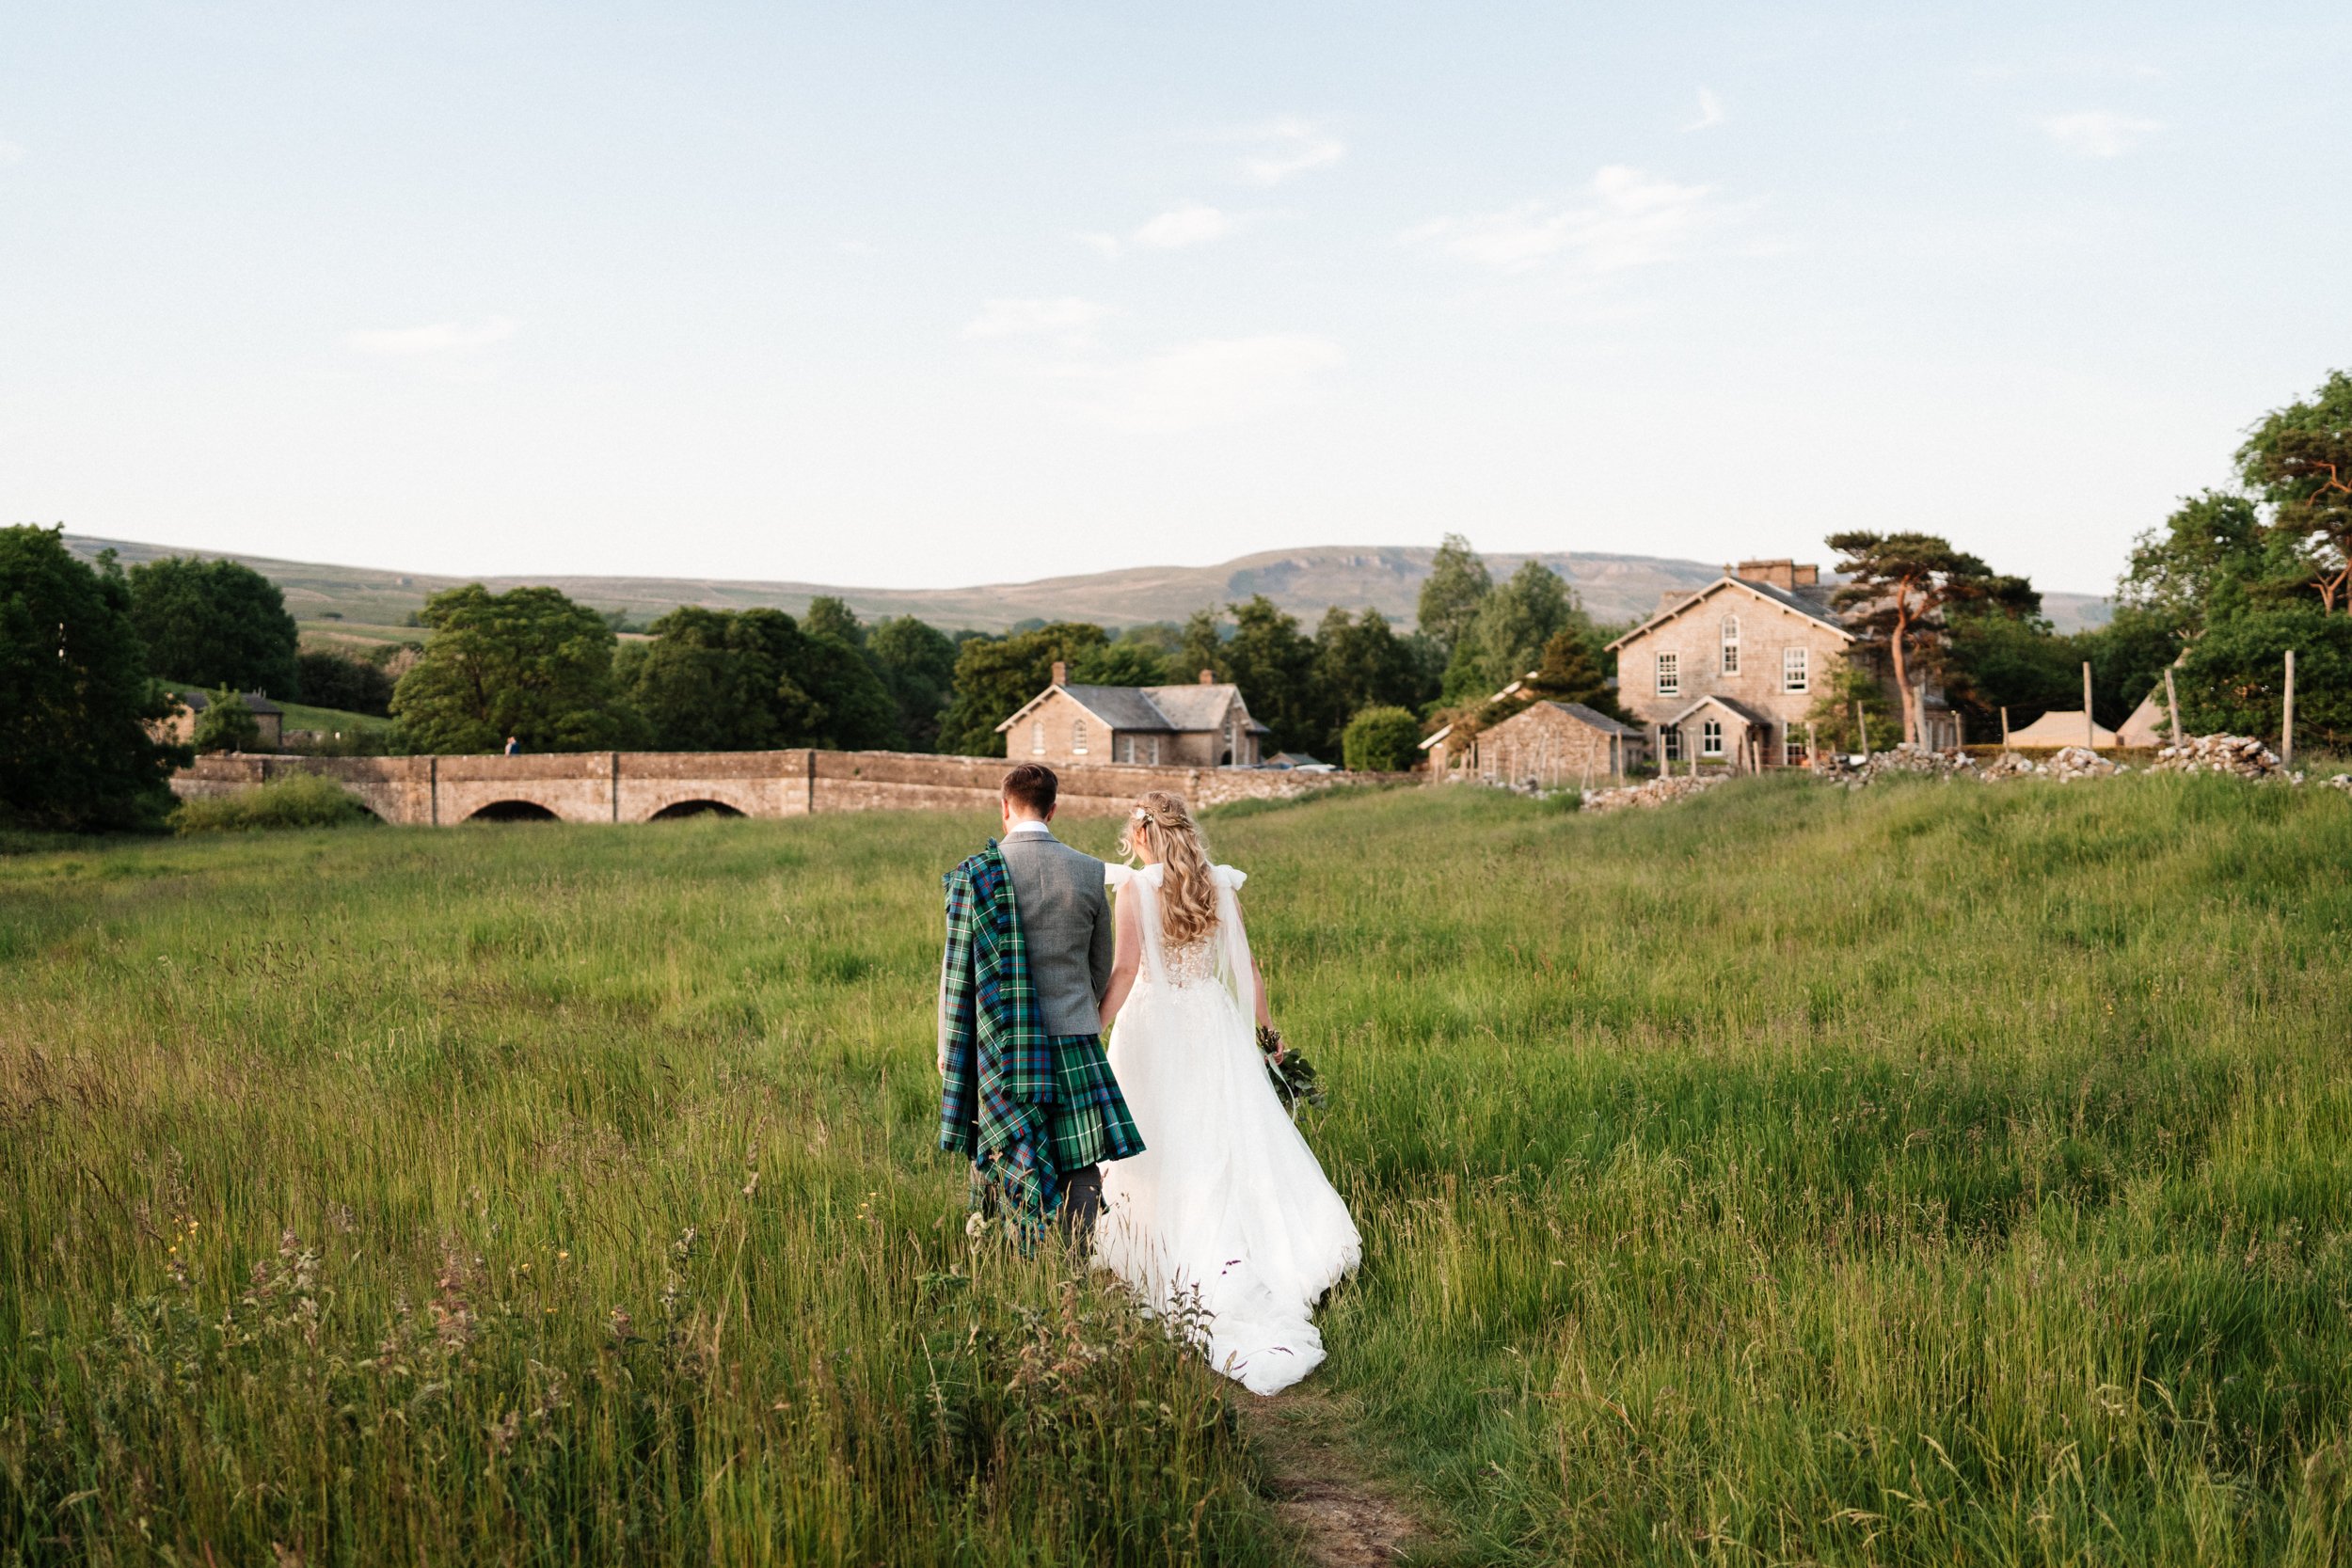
[[1102, 947]]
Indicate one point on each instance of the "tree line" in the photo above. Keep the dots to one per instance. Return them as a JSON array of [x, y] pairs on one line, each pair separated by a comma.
[[2219, 591]]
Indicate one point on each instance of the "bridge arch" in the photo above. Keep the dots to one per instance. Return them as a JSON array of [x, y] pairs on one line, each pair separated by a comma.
[[666, 799], [512, 811], [678, 810]]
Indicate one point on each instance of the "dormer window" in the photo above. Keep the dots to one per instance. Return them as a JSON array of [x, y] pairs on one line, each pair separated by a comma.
[[1731, 644]]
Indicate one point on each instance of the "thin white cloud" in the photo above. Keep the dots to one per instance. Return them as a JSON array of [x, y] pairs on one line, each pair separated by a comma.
[[440, 338], [1633, 219], [1711, 112], [1184, 226], [1284, 147], [1178, 227], [1066, 320], [1210, 382], [2098, 133]]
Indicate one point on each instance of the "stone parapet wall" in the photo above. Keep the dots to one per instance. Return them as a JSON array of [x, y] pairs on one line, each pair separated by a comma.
[[635, 787]]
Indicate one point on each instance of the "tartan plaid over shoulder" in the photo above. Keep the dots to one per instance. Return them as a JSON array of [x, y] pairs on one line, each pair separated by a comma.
[[1000, 1086]]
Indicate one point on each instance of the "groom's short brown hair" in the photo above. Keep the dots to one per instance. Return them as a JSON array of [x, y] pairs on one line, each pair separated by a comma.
[[1032, 786]]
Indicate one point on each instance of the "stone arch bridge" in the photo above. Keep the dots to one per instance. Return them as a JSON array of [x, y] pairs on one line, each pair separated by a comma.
[[645, 786]]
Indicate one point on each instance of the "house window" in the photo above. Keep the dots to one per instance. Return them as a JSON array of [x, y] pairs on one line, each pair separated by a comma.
[[1155, 751], [1669, 674], [1079, 737], [1792, 751], [1669, 743], [1731, 644], [1710, 737], [1037, 737], [1796, 670]]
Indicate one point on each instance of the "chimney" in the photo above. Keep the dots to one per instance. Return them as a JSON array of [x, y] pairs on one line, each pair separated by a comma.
[[1779, 573], [1208, 677], [1061, 673]]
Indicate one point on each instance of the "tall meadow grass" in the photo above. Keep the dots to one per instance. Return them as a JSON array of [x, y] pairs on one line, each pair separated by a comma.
[[1939, 1173]]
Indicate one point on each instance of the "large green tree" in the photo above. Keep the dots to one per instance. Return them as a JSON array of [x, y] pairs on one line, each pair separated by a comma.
[[1273, 662], [528, 663], [996, 675], [1361, 663], [216, 622], [330, 679], [716, 680], [75, 697], [2298, 459], [917, 662], [1900, 589], [1457, 585], [1506, 639]]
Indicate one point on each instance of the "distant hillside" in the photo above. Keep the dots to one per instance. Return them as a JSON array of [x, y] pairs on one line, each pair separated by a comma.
[[362, 601]]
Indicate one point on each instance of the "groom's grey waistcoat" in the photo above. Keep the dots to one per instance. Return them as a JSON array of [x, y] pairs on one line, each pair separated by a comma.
[[1066, 926]]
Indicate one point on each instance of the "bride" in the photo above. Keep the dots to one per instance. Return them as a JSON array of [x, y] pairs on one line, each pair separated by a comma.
[[1226, 1209]]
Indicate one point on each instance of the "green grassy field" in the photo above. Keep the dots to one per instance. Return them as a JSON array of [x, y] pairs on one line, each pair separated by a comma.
[[1932, 1174]]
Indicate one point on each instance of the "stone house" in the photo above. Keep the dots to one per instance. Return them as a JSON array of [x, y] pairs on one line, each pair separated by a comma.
[[180, 724], [1547, 745], [1728, 674], [1203, 725]]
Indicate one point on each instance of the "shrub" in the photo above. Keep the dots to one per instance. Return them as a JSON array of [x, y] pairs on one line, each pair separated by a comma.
[[1381, 741], [296, 801]]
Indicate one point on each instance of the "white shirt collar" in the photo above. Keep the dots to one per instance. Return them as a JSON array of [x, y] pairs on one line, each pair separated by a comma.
[[1030, 824]]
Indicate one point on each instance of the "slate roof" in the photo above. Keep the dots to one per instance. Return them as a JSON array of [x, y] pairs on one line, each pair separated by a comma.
[[1739, 710], [1123, 707], [1596, 719], [1148, 709], [197, 700], [1811, 610]]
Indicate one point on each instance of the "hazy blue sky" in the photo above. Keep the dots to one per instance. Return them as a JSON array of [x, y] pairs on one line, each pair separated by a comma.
[[888, 293]]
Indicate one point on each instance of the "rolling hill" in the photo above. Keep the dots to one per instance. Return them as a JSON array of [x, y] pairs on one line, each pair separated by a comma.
[[368, 603]]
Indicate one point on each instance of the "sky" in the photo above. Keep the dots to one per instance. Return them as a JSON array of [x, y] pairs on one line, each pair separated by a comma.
[[898, 294]]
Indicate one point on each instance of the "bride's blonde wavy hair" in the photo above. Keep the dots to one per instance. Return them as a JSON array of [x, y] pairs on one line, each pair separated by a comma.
[[1163, 824]]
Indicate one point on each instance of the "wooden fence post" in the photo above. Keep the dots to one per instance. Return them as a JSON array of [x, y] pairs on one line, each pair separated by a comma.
[[2172, 705], [2004, 729], [2286, 730], [2090, 725]]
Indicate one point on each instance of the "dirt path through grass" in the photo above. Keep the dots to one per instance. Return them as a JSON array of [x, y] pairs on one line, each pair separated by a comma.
[[1343, 1517]]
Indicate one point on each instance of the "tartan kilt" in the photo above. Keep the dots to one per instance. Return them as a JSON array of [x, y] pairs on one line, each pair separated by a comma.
[[1088, 1124]]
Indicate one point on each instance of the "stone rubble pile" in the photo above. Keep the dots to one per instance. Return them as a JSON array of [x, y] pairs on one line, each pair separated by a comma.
[[2238, 754], [2068, 763], [1658, 792]]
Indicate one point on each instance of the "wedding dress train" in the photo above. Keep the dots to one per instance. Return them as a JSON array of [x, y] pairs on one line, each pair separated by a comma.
[[1226, 1211]]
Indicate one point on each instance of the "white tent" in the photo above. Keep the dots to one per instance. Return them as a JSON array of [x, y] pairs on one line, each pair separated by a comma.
[[2061, 729], [2148, 722]]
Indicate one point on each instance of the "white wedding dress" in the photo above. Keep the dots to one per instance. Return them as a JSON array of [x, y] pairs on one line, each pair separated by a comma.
[[1226, 1211]]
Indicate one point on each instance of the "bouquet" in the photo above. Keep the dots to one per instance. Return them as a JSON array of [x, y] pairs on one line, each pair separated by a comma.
[[1292, 1075]]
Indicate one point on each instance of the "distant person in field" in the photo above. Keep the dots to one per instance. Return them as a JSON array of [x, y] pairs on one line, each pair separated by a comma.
[[513, 745], [1025, 1091], [1228, 1209]]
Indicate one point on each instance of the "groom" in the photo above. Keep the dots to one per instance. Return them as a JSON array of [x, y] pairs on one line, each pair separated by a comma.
[[1025, 1092]]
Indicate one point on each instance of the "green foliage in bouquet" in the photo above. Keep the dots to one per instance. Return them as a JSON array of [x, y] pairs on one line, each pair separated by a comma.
[[1292, 1075]]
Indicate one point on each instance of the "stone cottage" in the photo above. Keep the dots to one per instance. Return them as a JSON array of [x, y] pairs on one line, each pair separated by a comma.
[[1726, 674], [180, 724], [1547, 745], [1203, 725]]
